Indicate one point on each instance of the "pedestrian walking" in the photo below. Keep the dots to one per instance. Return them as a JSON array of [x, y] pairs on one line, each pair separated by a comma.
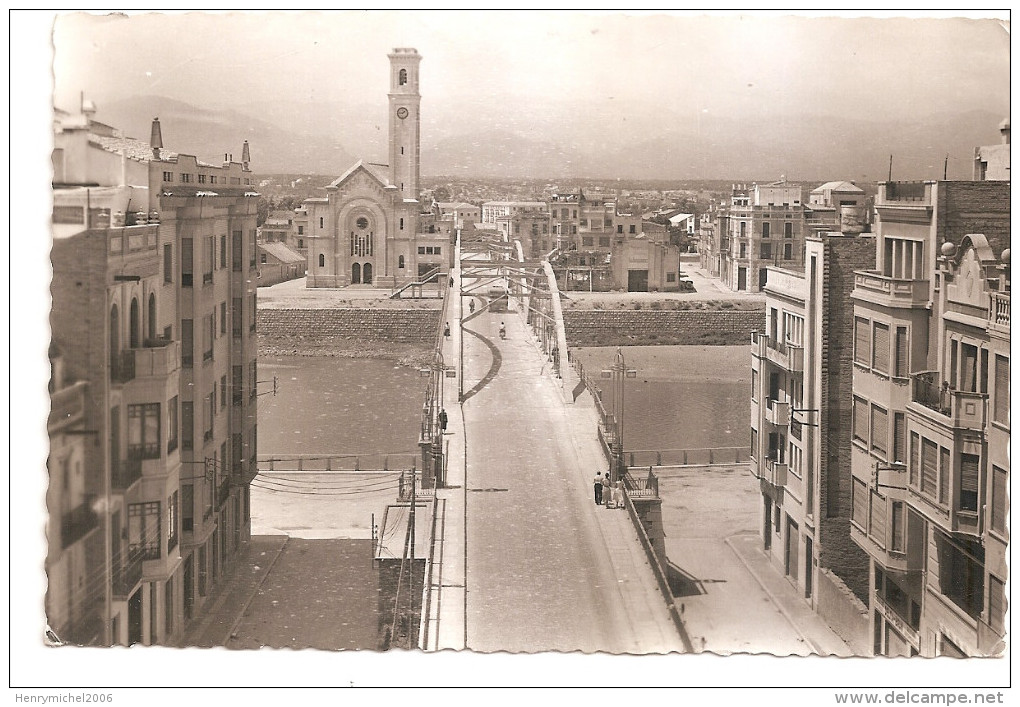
[[446, 331], [471, 306], [618, 494], [607, 490], [442, 420], [598, 488]]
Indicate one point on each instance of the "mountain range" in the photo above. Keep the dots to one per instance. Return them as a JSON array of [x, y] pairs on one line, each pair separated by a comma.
[[558, 140]]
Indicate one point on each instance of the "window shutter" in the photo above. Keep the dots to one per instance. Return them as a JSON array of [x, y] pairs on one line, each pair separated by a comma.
[[881, 353], [860, 420], [877, 530], [879, 430], [902, 353], [999, 484], [862, 342], [969, 472], [996, 603], [945, 465], [860, 503], [929, 467], [915, 444], [898, 519], [1002, 389], [899, 437]]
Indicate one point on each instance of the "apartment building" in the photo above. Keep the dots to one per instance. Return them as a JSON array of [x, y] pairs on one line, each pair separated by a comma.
[[491, 211], [800, 377], [764, 225], [991, 162], [930, 446], [153, 319], [826, 210]]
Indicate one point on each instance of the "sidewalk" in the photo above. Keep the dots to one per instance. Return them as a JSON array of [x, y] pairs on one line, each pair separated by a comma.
[[223, 610], [809, 625]]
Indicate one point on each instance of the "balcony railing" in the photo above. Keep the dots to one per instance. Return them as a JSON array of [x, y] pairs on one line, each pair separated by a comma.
[[905, 191], [898, 290], [77, 523], [777, 412], [965, 409], [775, 472], [998, 310], [156, 358]]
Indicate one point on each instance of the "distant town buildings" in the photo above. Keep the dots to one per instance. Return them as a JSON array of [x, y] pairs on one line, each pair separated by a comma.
[[991, 162], [153, 391]]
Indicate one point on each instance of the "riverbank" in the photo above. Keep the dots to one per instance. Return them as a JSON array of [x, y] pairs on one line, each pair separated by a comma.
[[678, 364], [414, 355]]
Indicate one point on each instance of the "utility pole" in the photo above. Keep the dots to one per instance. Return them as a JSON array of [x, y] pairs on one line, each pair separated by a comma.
[[410, 580]]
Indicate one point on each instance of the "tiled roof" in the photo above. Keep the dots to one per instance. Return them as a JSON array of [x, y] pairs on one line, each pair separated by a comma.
[[282, 252], [134, 149]]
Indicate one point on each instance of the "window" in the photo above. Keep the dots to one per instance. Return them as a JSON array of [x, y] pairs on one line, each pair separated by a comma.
[[322, 222], [1001, 390], [860, 431], [143, 530], [187, 425], [208, 335], [171, 509], [168, 176], [262, 258], [1000, 486], [766, 251], [899, 437], [619, 228], [787, 230], [671, 277], [237, 385], [212, 179], [402, 77], [898, 520], [223, 251], [913, 466], [143, 431], [252, 248], [788, 251], [168, 263], [877, 519], [236, 244], [322, 260], [185, 178], [879, 431], [633, 228], [301, 243], [171, 425], [880, 352], [945, 474], [210, 415], [236, 314], [996, 604], [862, 341], [187, 507], [421, 250], [969, 475], [187, 266], [765, 229], [587, 241], [961, 572], [187, 343], [743, 229], [301, 230], [400, 262], [201, 179]]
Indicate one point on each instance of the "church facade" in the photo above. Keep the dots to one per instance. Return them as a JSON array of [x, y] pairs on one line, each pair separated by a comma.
[[368, 229]]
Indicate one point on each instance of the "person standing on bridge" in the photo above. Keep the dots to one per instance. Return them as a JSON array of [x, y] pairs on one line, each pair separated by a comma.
[[471, 306], [618, 493], [598, 488], [446, 330], [442, 420], [607, 490]]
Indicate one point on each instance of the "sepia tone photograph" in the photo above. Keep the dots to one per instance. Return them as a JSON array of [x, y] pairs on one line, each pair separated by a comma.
[[553, 348]]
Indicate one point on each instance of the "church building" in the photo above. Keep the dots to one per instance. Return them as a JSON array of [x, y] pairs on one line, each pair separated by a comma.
[[368, 229]]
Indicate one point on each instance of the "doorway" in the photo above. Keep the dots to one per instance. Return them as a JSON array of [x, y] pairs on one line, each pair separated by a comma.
[[792, 548], [741, 278], [366, 274], [189, 586], [637, 281], [767, 529], [356, 274], [808, 574], [135, 618]]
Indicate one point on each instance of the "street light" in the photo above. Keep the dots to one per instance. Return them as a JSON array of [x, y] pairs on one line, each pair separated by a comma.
[[618, 372]]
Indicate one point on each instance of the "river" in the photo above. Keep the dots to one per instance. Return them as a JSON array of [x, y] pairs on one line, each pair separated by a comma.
[[682, 397]]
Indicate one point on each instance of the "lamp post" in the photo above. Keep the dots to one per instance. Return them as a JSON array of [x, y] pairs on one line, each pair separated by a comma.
[[618, 372]]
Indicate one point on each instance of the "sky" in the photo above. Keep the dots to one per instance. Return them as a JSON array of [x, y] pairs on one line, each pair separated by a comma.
[[726, 63]]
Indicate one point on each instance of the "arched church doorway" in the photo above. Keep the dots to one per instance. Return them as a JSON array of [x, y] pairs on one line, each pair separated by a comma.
[[356, 274], [367, 273]]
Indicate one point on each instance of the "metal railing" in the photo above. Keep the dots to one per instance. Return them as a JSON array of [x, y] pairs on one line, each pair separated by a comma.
[[925, 390], [127, 472], [337, 462], [699, 456], [127, 574]]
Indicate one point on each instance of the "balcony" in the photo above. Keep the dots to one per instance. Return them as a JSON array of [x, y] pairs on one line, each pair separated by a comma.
[[775, 472], [77, 523], [66, 406], [890, 291], [126, 576], [785, 355], [957, 409], [777, 412], [759, 342], [125, 473], [911, 192], [998, 311], [157, 358]]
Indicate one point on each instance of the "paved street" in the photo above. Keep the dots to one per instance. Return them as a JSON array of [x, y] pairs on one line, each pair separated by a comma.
[[539, 574]]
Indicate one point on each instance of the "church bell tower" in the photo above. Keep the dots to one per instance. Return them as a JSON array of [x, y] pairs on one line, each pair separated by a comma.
[[405, 121]]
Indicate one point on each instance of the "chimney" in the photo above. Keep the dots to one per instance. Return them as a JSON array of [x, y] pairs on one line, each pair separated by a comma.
[[156, 139], [1004, 131], [245, 155]]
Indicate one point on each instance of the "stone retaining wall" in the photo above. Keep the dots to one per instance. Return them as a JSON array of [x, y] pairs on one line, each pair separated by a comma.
[[662, 327], [404, 326]]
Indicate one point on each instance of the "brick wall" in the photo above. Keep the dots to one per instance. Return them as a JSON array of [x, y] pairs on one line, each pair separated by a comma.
[[836, 550], [411, 326], [651, 327], [974, 207]]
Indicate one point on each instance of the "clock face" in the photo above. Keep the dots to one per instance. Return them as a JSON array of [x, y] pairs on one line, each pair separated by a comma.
[[401, 113]]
